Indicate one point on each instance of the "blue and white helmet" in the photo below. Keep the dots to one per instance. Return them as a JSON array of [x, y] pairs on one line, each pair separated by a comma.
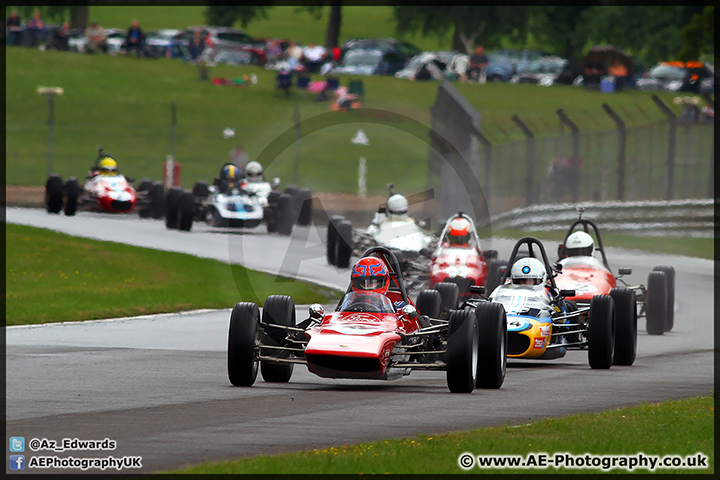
[[528, 271]]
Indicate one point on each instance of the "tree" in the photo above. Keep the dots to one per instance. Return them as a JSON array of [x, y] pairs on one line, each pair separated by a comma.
[[467, 24], [562, 29], [76, 16], [332, 34], [698, 36], [228, 15]]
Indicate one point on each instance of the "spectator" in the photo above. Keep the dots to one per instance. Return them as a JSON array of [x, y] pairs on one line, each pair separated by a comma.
[[593, 71], [60, 38], [239, 157], [620, 73], [313, 57], [476, 66], [97, 39], [37, 29], [13, 28], [134, 39], [294, 55], [274, 51], [195, 48]]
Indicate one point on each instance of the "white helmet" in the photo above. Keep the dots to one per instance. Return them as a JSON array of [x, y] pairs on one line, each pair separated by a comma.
[[579, 243], [528, 271], [253, 171], [397, 205]]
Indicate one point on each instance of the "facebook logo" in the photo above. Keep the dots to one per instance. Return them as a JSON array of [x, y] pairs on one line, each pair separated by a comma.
[[17, 462], [17, 444]]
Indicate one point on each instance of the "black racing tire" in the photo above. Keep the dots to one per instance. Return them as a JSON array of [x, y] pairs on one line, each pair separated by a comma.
[[670, 315], [241, 361], [656, 302], [172, 208], [450, 294], [72, 191], [493, 275], [344, 244], [144, 185], [490, 254], [428, 303], [201, 189], [331, 239], [278, 310], [186, 207], [285, 215], [291, 190], [492, 349], [54, 193], [305, 207], [144, 210], [625, 326], [271, 212], [463, 344], [157, 200], [601, 332]]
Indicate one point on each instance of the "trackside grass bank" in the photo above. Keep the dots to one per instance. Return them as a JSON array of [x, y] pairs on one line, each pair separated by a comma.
[[53, 277], [682, 428]]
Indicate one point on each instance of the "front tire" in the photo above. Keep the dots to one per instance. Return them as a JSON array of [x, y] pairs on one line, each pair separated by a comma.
[[72, 189], [625, 326], [305, 207], [285, 215], [494, 269], [492, 349], [278, 310], [462, 351], [344, 244], [172, 208], [186, 207], [242, 337], [428, 303], [670, 311], [601, 332], [157, 200], [54, 193], [450, 294]]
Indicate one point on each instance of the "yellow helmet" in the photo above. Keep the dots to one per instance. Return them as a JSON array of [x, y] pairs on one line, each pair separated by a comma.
[[108, 166]]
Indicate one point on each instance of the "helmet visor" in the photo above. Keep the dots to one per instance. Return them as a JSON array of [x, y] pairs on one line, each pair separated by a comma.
[[458, 239], [368, 283]]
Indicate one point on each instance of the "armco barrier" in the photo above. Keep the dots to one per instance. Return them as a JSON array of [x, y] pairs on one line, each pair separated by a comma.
[[677, 217]]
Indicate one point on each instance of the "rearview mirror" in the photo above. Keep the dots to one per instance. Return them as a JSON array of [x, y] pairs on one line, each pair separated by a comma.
[[317, 312], [130, 179], [409, 311], [567, 293], [479, 289], [625, 271], [275, 183]]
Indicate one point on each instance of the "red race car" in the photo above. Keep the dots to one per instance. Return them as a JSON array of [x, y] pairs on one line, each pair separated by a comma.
[[105, 190], [589, 276], [375, 332], [458, 257]]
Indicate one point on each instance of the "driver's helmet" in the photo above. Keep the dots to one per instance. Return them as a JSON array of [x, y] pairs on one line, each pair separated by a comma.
[[397, 205], [254, 172], [459, 232], [528, 271], [579, 243], [229, 176], [370, 275], [108, 166]]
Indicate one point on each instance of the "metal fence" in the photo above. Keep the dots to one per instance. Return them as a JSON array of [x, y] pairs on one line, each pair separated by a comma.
[[667, 160]]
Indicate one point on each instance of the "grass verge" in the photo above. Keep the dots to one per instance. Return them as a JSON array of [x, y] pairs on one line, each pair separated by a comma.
[[675, 427], [53, 277]]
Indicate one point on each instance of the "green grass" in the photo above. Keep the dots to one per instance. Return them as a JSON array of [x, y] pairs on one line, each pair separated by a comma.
[[675, 427], [53, 277], [688, 246], [123, 104]]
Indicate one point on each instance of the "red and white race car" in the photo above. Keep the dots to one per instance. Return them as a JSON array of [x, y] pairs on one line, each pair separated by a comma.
[[370, 335], [589, 276], [458, 257], [104, 190]]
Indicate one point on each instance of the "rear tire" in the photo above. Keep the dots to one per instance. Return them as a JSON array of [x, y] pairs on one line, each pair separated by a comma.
[[271, 212], [279, 310], [462, 351], [186, 206], [625, 326], [601, 332], [241, 362], [285, 215], [656, 303], [54, 193], [450, 294], [157, 200], [72, 189], [344, 244], [200, 189], [331, 239], [172, 208], [492, 348], [428, 303], [493, 275], [670, 312], [305, 207]]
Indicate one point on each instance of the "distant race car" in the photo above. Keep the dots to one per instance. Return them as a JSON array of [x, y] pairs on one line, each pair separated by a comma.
[[370, 335], [241, 200], [588, 276], [391, 227], [104, 190], [543, 324], [458, 257]]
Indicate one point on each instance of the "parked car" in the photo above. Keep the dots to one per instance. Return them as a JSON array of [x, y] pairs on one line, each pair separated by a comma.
[[223, 39], [504, 64], [378, 56], [419, 67], [115, 40], [166, 43], [548, 70], [675, 77]]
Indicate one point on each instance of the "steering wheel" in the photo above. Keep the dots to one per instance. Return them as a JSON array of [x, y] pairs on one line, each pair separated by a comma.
[[363, 307]]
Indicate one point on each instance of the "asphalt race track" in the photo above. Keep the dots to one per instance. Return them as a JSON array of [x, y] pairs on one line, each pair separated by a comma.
[[158, 385]]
